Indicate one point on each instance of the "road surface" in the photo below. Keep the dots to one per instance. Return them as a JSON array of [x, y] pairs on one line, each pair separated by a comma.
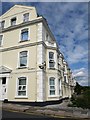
[[12, 115]]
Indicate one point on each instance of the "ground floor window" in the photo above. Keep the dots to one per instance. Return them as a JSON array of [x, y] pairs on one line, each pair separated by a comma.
[[52, 86], [22, 86], [59, 85]]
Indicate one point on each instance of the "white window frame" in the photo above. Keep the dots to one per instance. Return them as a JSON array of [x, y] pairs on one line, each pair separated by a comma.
[[64, 78], [59, 87], [18, 62], [20, 41], [16, 92], [2, 40], [51, 85], [1, 24], [11, 21], [53, 61], [28, 16]]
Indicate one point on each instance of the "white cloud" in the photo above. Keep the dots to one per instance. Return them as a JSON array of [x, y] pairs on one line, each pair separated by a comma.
[[81, 76]]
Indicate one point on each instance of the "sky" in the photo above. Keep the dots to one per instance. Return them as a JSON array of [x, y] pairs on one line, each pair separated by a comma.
[[68, 22]]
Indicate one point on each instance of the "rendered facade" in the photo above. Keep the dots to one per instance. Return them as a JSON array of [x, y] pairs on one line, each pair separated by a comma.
[[32, 68]]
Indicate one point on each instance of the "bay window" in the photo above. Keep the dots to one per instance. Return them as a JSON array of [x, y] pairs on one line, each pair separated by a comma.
[[51, 60], [52, 86]]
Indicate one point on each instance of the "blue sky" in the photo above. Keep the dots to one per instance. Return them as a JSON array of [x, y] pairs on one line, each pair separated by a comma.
[[68, 22]]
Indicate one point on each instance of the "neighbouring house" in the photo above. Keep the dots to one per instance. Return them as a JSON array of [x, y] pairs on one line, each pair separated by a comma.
[[32, 68]]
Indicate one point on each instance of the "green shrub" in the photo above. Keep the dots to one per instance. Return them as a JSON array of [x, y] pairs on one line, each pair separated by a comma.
[[81, 97]]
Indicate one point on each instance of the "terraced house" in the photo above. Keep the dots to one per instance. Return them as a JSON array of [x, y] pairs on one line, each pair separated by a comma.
[[32, 68]]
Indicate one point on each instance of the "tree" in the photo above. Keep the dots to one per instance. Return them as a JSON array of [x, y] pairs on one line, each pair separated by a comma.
[[78, 89]]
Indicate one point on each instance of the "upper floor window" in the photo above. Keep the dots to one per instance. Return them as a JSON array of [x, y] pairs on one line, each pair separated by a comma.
[[52, 86], [2, 24], [64, 78], [23, 59], [13, 21], [1, 37], [51, 55], [51, 60], [24, 34], [26, 17], [47, 36], [21, 86]]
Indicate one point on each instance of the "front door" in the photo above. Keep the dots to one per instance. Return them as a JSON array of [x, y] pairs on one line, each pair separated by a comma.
[[3, 88]]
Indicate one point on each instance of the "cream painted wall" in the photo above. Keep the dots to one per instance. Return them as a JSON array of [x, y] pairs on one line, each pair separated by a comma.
[[18, 11], [12, 38], [11, 58], [31, 87]]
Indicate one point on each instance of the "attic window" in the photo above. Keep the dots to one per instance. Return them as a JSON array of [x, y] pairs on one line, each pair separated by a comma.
[[26, 17], [13, 21], [2, 24]]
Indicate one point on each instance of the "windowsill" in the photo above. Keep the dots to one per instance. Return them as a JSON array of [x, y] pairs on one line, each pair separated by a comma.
[[52, 96], [21, 97], [21, 41], [25, 21], [51, 68], [13, 25], [22, 67]]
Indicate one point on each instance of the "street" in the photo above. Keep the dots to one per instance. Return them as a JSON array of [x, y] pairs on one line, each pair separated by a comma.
[[10, 115]]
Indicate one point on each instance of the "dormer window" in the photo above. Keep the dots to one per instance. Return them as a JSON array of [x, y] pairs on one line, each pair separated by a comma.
[[47, 37], [13, 21], [1, 37], [26, 17], [2, 24]]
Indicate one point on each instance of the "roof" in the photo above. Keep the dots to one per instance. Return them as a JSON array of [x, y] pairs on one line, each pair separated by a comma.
[[4, 69], [13, 10]]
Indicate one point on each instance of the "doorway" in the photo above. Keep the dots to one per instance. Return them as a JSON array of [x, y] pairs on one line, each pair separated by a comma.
[[3, 89]]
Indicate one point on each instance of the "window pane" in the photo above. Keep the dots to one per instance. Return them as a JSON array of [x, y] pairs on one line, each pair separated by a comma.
[[52, 92], [2, 24], [47, 36], [13, 21], [1, 39], [24, 53], [20, 88], [51, 64], [23, 61], [21, 93], [23, 58], [52, 87], [24, 35], [24, 88], [65, 78], [51, 55], [26, 17], [22, 81], [52, 81]]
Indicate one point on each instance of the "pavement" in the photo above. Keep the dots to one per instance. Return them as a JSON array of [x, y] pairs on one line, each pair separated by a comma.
[[57, 110]]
